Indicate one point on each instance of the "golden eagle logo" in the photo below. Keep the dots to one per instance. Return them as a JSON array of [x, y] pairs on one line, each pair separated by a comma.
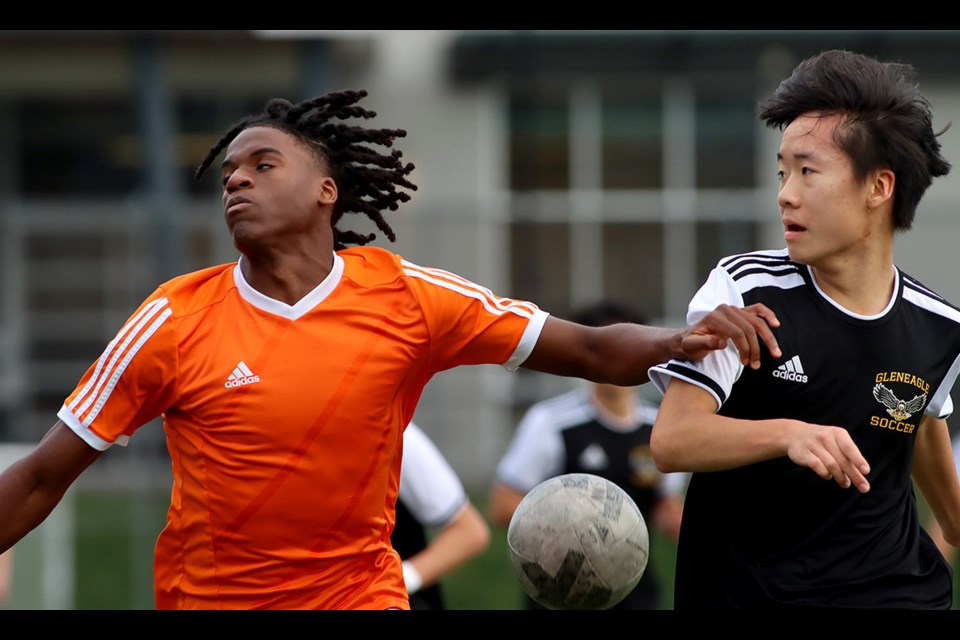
[[899, 409]]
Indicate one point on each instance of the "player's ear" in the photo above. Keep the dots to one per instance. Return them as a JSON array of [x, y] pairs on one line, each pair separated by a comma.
[[881, 187], [327, 191]]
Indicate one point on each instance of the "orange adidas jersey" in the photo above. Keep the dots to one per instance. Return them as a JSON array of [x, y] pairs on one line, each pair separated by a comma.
[[284, 423]]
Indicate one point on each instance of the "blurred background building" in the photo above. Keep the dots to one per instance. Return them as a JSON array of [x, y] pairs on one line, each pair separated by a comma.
[[560, 167]]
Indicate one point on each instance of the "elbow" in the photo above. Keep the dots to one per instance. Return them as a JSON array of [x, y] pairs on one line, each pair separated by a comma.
[[664, 452], [479, 538], [952, 537]]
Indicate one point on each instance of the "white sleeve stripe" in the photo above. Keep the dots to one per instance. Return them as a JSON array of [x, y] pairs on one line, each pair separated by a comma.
[[410, 268], [497, 306], [96, 372], [136, 321], [105, 366], [929, 302], [105, 394], [449, 276]]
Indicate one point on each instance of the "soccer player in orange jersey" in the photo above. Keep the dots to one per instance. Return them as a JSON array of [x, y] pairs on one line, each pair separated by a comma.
[[285, 379]]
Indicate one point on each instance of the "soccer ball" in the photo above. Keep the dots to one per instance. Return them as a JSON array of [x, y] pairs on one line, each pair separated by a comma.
[[578, 541]]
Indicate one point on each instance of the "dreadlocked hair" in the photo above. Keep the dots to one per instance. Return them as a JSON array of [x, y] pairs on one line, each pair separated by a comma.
[[367, 180]]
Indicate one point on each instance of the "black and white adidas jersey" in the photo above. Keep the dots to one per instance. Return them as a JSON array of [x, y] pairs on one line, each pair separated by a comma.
[[568, 434], [430, 496], [774, 532]]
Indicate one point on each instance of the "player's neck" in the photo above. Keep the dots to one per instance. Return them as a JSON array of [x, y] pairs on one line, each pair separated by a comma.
[[861, 288], [616, 404], [286, 278]]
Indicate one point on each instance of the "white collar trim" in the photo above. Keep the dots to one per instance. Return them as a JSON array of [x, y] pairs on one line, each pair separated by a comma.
[[282, 309]]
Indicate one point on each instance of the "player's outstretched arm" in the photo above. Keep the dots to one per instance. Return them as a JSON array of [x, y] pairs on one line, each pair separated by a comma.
[[688, 435], [935, 474], [31, 487], [622, 353]]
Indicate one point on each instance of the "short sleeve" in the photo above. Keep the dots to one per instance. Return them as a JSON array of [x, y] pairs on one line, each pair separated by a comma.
[[132, 381], [429, 486], [719, 370]]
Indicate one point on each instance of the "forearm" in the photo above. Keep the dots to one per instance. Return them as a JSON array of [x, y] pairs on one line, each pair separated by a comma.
[[465, 537], [501, 503], [624, 353], [23, 503], [31, 487], [617, 354], [688, 435], [935, 475], [707, 442]]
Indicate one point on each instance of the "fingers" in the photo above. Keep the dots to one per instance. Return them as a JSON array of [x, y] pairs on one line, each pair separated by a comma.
[[748, 327], [843, 473], [831, 453], [763, 318], [764, 312], [854, 465]]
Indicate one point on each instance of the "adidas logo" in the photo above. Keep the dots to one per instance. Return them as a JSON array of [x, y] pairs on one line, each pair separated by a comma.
[[241, 375], [594, 457], [791, 370]]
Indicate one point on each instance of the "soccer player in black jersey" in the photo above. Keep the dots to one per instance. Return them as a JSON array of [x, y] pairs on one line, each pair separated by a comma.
[[802, 492]]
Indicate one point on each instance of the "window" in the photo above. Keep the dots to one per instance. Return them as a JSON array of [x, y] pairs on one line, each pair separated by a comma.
[[632, 142], [618, 138], [78, 148], [539, 142], [95, 148], [726, 149]]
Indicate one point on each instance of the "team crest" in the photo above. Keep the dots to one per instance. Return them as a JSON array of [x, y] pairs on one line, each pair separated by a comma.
[[644, 472], [898, 409]]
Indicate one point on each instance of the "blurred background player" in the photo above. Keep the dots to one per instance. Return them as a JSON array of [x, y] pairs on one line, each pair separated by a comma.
[[438, 528], [601, 429]]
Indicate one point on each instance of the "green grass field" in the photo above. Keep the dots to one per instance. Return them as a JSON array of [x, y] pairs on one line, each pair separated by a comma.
[[114, 564], [114, 559]]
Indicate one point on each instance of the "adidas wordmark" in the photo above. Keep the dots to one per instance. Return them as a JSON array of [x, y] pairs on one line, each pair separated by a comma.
[[791, 370], [241, 375]]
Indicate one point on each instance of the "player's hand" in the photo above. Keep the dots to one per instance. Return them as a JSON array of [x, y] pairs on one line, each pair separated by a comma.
[[746, 326], [831, 453]]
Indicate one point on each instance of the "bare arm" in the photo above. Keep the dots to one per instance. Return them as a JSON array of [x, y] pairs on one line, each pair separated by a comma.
[[6, 575], [935, 474], [936, 534], [622, 353], [689, 436], [465, 537], [31, 487], [667, 515], [502, 502]]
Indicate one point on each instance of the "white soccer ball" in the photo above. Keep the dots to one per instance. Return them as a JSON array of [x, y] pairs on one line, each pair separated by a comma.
[[578, 541]]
